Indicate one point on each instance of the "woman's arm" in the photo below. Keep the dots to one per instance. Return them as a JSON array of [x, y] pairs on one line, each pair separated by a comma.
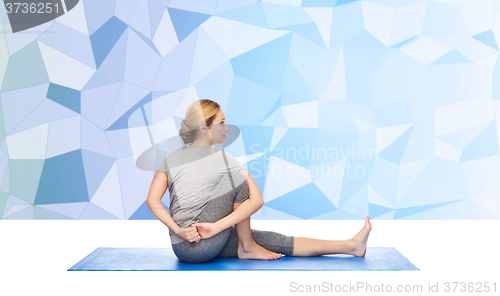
[[153, 201], [249, 206]]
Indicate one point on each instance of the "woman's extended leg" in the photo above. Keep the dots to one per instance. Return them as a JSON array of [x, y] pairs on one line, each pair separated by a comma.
[[300, 246], [307, 247]]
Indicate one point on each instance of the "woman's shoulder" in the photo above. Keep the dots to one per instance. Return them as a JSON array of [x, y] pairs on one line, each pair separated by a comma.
[[184, 153]]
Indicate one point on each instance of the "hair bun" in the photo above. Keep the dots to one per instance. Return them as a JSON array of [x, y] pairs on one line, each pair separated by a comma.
[[185, 132]]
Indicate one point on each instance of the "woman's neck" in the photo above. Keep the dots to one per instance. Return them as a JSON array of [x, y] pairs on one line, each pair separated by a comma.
[[199, 144]]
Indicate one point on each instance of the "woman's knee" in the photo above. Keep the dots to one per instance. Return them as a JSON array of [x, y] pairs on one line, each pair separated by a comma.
[[241, 192]]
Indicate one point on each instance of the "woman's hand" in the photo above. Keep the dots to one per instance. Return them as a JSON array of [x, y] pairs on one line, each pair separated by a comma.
[[189, 233], [206, 230]]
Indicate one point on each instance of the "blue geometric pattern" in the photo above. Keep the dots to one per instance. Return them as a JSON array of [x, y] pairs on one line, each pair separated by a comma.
[[345, 108]]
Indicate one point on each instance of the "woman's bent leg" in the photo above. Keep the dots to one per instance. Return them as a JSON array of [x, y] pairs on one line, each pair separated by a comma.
[[248, 248], [219, 206]]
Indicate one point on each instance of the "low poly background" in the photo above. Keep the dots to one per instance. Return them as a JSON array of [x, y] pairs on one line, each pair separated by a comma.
[[387, 108]]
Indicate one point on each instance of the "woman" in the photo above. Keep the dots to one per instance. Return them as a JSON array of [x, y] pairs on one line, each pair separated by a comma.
[[212, 198]]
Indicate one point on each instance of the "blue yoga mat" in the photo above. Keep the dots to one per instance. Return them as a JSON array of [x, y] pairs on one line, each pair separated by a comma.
[[376, 258]]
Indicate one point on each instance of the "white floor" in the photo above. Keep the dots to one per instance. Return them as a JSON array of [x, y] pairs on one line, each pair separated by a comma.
[[35, 256]]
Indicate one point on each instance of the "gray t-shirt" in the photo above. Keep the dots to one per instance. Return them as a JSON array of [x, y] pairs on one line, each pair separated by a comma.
[[193, 172]]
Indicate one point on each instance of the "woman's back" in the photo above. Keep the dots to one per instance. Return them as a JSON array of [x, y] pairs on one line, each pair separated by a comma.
[[193, 173]]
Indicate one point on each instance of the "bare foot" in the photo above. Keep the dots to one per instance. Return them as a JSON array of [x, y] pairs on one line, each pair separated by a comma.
[[359, 240], [256, 252]]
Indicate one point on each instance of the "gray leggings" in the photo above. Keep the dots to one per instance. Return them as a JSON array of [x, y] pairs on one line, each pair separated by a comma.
[[225, 243]]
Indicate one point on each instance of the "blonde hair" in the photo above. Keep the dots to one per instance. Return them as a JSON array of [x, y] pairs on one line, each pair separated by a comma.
[[201, 112]]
